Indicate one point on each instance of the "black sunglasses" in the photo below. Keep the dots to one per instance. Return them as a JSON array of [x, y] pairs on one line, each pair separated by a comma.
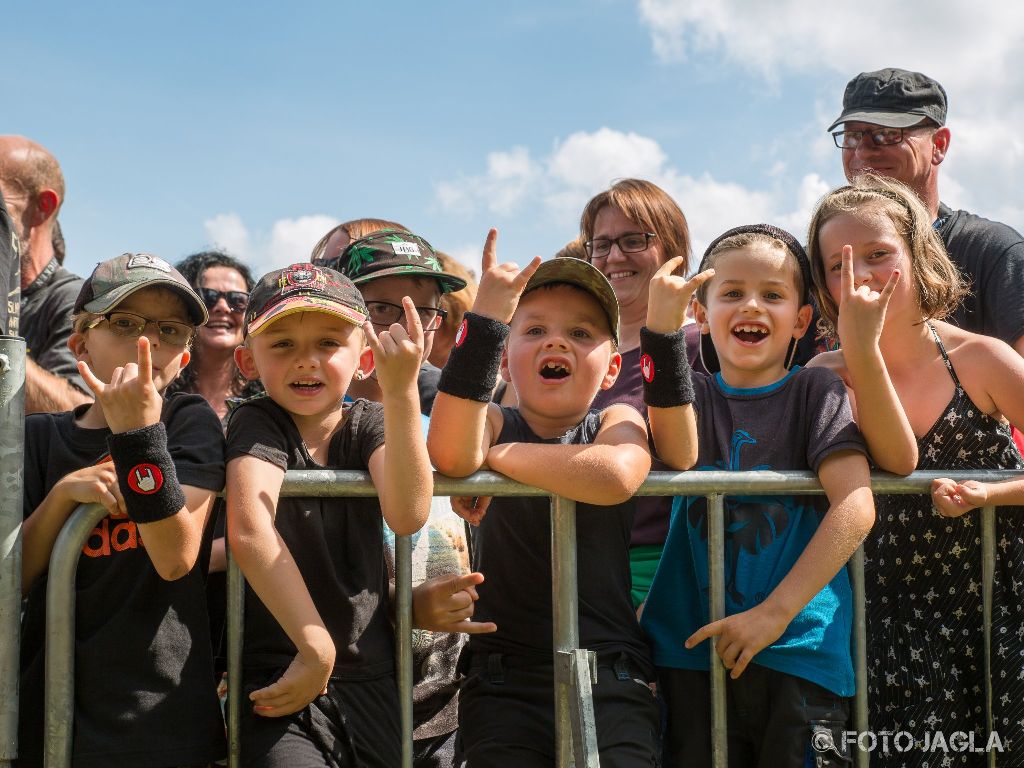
[[237, 301]]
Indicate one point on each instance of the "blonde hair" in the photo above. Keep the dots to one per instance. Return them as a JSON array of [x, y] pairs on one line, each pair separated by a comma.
[[574, 249], [650, 208], [355, 229], [939, 285]]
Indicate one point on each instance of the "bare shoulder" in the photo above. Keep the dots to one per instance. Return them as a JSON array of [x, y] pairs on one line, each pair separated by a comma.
[[974, 356], [833, 361], [617, 413]]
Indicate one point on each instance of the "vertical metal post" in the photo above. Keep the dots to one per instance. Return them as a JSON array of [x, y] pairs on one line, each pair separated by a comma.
[[12, 454], [716, 569], [403, 640], [60, 634], [860, 653], [235, 614], [988, 571], [565, 613]]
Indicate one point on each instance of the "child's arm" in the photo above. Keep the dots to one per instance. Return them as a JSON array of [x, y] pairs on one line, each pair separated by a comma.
[[90, 485], [953, 499], [607, 471], [464, 425], [170, 517], [880, 415], [844, 476], [446, 604], [253, 488], [400, 467], [673, 427]]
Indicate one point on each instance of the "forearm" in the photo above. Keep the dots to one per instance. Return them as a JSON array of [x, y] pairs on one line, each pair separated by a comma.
[[48, 393], [675, 435], [173, 543], [842, 530], [407, 485], [881, 418], [593, 474], [1009, 493], [39, 532], [455, 441]]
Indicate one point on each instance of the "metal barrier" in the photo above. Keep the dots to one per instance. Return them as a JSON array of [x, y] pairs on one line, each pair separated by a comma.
[[12, 456], [574, 722]]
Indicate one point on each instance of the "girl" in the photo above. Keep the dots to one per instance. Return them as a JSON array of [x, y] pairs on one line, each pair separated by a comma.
[[928, 395]]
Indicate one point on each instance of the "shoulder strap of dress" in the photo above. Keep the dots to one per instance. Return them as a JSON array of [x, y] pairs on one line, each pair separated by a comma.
[[945, 357]]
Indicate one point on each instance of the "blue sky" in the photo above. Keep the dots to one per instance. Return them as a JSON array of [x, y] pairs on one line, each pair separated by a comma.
[[257, 126]]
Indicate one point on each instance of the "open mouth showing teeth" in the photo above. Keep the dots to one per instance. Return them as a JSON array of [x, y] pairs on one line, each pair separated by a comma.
[[750, 333], [554, 371], [306, 386]]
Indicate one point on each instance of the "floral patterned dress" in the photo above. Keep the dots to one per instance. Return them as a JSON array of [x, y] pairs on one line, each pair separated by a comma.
[[926, 657]]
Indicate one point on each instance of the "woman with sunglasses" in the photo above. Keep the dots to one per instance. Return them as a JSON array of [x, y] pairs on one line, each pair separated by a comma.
[[223, 283]]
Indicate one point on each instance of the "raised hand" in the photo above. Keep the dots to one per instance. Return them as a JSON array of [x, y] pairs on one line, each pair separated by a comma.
[[501, 285], [302, 682], [953, 499], [861, 310], [94, 485], [445, 604], [741, 636], [670, 295], [130, 400], [397, 352]]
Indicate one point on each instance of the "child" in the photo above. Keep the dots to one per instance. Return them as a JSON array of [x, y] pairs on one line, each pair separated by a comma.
[[385, 266], [318, 653], [883, 282], [560, 351], [789, 612], [144, 692]]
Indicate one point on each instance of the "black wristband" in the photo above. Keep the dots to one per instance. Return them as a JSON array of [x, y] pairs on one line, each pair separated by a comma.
[[668, 380], [146, 474], [472, 368]]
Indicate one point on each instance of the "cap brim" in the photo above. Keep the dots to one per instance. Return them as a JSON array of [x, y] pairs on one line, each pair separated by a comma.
[[303, 303], [884, 119], [584, 275], [108, 301], [453, 283]]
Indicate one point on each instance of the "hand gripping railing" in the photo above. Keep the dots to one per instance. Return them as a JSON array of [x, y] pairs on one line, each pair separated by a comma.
[[577, 744]]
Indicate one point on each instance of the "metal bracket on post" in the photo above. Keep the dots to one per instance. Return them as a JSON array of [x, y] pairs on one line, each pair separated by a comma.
[[579, 668]]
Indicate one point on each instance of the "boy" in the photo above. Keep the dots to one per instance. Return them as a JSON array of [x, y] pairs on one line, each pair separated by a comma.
[[385, 266], [319, 649], [786, 637], [560, 351], [144, 693]]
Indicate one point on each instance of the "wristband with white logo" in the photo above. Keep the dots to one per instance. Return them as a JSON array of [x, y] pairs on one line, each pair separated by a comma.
[[665, 367], [472, 368], [145, 474]]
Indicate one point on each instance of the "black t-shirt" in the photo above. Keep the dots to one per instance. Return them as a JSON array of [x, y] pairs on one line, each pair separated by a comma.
[[10, 274], [144, 690], [514, 554], [426, 383], [991, 256], [337, 543], [46, 309]]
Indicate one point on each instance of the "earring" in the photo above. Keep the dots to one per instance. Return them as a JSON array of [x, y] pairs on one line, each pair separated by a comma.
[[360, 375]]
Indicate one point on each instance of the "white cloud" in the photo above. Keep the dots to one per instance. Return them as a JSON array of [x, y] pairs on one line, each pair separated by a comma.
[[586, 163], [289, 240], [510, 176]]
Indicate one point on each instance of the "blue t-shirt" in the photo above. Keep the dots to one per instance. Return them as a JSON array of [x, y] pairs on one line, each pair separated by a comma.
[[792, 424]]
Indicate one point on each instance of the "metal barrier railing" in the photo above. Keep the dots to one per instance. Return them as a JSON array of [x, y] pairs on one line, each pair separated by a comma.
[[573, 707]]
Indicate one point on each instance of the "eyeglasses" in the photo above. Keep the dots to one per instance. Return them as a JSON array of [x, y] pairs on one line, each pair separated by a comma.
[[632, 242], [386, 313], [133, 326], [880, 137], [237, 301]]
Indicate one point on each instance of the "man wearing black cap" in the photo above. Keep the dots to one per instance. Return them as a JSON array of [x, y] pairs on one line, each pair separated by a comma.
[[894, 123]]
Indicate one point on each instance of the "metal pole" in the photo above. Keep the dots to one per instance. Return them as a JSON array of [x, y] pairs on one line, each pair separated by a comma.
[[565, 613], [403, 640], [716, 572], [860, 653], [12, 455], [60, 633], [988, 571], [234, 617]]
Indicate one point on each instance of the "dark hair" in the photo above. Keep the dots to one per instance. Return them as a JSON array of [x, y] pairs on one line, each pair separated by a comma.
[[192, 269]]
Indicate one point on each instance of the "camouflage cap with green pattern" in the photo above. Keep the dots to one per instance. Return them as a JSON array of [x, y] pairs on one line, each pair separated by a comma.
[[391, 253], [583, 275], [114, 280]]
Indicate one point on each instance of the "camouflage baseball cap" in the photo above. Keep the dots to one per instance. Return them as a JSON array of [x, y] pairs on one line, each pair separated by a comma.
[[583, 275], [114, 280], [303, 288], [390, 253]]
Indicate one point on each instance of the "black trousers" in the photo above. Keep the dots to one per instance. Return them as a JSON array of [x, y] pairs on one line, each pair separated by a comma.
[[775, 720], [507, 715]]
